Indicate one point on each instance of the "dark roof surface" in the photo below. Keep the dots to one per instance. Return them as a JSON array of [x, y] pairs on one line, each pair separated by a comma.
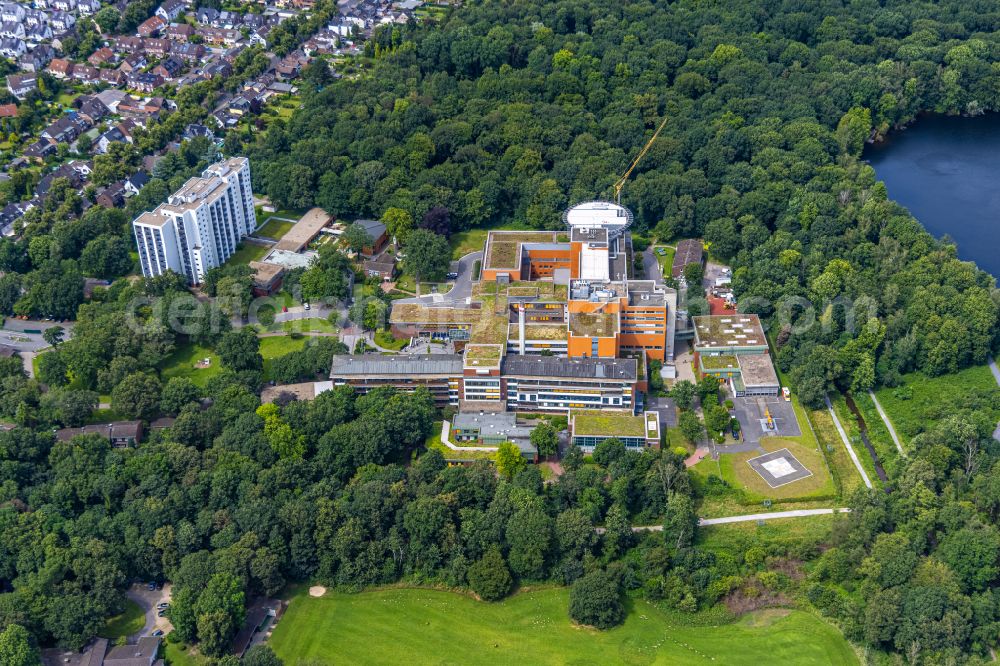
[[536, 365], [396, 364]]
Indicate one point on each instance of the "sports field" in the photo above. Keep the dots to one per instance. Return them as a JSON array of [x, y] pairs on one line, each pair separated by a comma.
[[416, 626]]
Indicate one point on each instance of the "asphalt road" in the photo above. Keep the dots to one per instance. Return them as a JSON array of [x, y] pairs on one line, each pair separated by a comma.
[[461, 289], [147, 600]]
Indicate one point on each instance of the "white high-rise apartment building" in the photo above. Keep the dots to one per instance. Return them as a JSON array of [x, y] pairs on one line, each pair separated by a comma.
[[200, 225]]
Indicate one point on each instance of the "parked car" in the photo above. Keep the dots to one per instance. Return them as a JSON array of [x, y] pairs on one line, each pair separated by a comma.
[[306, 306], [158, 632], [452, 276], [152, 586], [284, 308]]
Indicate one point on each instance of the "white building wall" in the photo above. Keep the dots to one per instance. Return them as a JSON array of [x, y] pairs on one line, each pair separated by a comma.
[[206, 233]]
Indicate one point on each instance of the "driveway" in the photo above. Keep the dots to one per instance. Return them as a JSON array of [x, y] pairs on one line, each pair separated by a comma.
[[460, 290], [147, 600], [651, 266]]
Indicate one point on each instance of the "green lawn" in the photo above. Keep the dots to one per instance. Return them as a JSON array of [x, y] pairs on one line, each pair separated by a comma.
[[783, 533], [666, 260], [304, 326], [274, 228], [923, 401], [131, 621], [182, 364], [385, 339], [273, 347], [464, 242], [180, 655], [279, 345], [734, 469], [247, 252], [436, 627]]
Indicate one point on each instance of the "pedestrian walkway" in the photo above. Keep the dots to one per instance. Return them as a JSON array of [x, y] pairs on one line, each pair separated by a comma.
[[698, 455], [887, 422], [847, 442]]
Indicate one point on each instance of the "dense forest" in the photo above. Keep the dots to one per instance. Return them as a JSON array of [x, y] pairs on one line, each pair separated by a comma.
[[510, 111], [506, 112]]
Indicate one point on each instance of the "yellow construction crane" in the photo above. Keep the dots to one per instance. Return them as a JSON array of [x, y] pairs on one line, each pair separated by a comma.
[[620, 183]]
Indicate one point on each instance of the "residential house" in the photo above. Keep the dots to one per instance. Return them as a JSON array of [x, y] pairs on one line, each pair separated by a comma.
[[135, 182], [219, 68], [113, 135], [64, 5], [88, 7], [66, 128], [180, 32], [111, 99], [157, 47], [101, 56], [37, 59], [377, 232], [61, 21], [20, 85], [260, 36], [207, 15], [45, 184], [133, 63], [151, 27], [40, 149], [193, 130], [35, 17], [86, 74], [91, 107], [146, 82], [170, 10], [383, 266], [12, 30], [12, 47], [113, 77], [220, 35], [189, 52], [38, 33], [112, 196], [129, 45], [120, 434], [8, 110], [141, 654], [60, 68], [12, 12], [169, 68]]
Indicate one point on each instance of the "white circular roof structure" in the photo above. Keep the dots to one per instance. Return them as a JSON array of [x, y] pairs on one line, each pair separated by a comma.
[[599, 215]]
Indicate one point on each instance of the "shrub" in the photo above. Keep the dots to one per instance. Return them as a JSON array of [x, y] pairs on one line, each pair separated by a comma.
[[489, 577], [595, 600]]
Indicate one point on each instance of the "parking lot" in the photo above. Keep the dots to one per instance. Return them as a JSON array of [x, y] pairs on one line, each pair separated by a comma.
[[752, 414]]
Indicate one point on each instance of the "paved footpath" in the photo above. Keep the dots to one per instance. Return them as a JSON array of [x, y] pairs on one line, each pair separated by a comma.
[[797, 513], [847, 442], [774, 515], [887, 422]]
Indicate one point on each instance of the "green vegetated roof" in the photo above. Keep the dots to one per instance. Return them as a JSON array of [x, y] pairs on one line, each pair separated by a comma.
[[413, 313], [503, 246], [503, 254], [539, 332], [721, 362], [618, 424], [483, 354], [593, 324]]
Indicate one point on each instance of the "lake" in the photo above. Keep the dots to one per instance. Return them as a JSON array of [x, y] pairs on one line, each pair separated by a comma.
[[945, 171]]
